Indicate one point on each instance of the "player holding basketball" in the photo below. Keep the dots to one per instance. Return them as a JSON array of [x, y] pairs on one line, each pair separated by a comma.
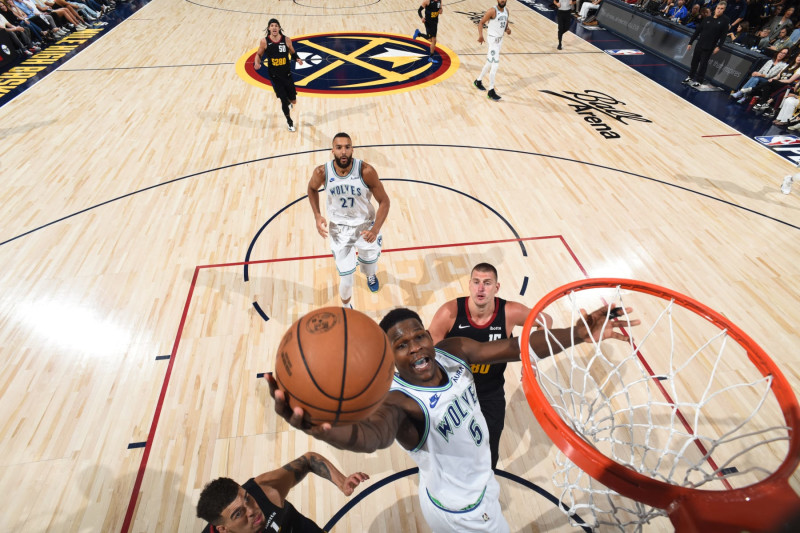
[[497, 20], [354, 224], [261, 505], [278, 50], [484, 317], [433, 10], [432, 411]]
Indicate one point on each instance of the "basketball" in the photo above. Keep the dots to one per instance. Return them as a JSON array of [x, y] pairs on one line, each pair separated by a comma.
[[336, 364]]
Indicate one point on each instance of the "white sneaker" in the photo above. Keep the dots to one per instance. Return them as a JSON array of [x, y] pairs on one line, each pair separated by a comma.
[[786, 186], [292, 128]]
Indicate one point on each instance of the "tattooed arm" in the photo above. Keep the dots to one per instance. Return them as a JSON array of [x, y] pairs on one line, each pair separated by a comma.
[[277, 483]]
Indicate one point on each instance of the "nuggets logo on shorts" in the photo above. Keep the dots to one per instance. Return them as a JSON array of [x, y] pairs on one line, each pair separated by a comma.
[[337, 65]]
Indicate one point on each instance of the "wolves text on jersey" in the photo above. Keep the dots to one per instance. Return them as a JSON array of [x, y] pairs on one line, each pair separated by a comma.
[[458, 412]]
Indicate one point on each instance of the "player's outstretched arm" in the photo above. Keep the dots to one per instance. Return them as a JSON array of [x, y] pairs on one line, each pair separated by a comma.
[[378, 431], [285, 478], [317, 180], [598, 325], [516, 313]]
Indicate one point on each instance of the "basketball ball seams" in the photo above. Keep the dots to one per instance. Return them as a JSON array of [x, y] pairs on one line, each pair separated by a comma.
[[305, 362], [332, 342], [344, 366]]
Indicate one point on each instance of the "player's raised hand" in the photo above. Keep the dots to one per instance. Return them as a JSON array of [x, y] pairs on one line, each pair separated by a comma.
[[296, 417], [601, 323]]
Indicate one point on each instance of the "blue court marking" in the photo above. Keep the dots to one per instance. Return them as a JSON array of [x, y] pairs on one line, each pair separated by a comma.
[[260, 311], [524, 286], [404, 145], [134, 445], [162, 357], [411, 471]]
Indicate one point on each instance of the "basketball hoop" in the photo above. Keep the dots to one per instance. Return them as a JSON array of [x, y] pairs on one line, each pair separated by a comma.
[[666, 420]]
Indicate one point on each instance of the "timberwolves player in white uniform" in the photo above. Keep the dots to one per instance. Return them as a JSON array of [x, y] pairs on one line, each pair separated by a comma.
[[497, 20], [432, 411], [350, 185]]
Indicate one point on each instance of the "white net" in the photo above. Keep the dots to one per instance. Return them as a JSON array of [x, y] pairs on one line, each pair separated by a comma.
[[680, 403]]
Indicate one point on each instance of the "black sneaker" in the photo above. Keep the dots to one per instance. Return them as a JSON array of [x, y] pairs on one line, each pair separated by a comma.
[[491, 95], [687, 80], [479, 85], [558, 47]]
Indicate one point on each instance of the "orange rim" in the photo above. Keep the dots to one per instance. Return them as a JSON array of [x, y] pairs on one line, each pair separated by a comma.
[[645, 489]]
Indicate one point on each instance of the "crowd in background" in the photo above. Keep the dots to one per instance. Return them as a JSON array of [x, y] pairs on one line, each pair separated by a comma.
[[32, 25]]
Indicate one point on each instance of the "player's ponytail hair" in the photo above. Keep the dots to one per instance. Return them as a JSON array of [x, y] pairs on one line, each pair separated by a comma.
[[280, 30]]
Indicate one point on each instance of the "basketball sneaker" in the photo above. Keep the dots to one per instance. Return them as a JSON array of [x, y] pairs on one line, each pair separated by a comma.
[[786, 186], [416, 34], [291, 126], [432, 59], [479, 85], [491, 95], [687, 80], [373, 284]]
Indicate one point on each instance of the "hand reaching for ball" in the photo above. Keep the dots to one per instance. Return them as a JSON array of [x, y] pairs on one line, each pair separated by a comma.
[[295, 417]]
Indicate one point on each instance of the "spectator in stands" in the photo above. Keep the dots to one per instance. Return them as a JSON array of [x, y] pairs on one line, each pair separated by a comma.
[[676, 11], [795, 35], [739, 34], [21, 37], [788, 107], [694, 16], [588, 5], [771, 69], [768, 95], [710, 35], [778, 22], [781, 41], [64, 15], [38, 26], [736, 12]]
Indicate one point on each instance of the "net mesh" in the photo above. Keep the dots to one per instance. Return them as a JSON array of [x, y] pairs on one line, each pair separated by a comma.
[[680, 403]]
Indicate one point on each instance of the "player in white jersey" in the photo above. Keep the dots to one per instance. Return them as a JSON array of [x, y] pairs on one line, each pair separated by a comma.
[[496, 19], [354, 224], [433, 412]]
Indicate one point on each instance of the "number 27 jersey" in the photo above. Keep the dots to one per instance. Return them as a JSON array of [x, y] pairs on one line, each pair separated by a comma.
[[348, 197]]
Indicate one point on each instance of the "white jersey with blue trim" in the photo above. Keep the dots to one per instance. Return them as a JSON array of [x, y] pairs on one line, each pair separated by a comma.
[[453, 454], [496, 27], [348, 197]]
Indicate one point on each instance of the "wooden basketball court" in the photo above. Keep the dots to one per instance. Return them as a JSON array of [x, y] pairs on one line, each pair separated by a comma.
[[142, 176]]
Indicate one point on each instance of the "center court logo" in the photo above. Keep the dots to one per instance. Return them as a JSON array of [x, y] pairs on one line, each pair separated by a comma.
[[589, 104], [344, 65]]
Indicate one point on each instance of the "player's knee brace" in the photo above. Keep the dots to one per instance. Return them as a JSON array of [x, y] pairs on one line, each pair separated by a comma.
[[346, 287]]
